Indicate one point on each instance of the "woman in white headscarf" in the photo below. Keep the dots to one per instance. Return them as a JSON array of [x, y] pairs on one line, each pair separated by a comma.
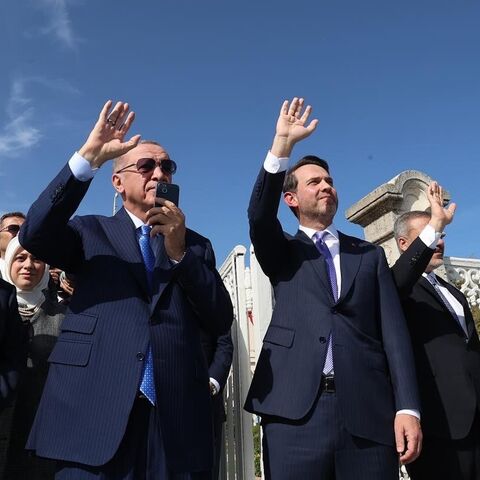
[[41, 315]]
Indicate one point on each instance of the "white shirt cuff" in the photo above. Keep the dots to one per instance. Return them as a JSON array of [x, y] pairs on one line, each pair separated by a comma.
[[215, 384], [430, 237], [81, 168], [273, 164], [406, 411]]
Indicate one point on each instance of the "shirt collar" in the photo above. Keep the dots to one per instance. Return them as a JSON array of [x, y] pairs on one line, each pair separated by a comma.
[[310, 232], [431, 277], [136, 221]]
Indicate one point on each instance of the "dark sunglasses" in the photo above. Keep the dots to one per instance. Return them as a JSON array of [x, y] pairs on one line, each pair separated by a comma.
[[443, 235], [147, 165], [13, 229]]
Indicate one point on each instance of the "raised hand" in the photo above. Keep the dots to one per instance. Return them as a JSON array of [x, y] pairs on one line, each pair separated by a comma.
[[441, 216], [106, 140], [292, 126]]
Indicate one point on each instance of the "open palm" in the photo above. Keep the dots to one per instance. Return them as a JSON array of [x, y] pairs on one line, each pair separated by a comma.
[[106, 140], [292, 123]]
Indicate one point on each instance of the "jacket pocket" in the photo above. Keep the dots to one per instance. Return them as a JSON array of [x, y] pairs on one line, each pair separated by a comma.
[[71, 352], [279, 336], [79, 323]]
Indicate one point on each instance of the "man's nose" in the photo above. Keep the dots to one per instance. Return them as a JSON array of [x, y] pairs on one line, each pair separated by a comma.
[[158, 174]]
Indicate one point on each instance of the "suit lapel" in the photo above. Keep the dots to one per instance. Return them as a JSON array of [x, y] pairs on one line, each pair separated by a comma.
[[316, 259], [120, 231], [431, 290], [350, 260]]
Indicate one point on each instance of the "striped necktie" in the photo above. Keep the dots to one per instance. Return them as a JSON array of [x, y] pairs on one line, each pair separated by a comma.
[[332, 276], [147, 385], [436, 285]]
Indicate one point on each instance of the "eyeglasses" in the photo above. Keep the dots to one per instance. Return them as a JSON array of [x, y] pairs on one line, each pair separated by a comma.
[[147, 165], [13, 229], [443, 235]]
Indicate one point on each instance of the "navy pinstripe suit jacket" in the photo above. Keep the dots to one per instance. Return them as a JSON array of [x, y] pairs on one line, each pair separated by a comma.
[[96, 365], [373, 361]]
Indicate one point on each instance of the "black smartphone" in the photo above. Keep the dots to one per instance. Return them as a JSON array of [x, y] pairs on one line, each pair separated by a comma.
[[168, 191]]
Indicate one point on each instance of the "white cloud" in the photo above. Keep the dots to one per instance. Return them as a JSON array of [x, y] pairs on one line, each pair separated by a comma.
[[19, 133], [21, 130], [59, 23]]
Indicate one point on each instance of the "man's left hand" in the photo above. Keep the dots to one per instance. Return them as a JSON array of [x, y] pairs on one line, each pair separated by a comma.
[[408, 437], [168, 220]]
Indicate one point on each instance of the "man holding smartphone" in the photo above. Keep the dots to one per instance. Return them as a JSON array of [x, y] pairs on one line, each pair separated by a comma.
[[127, 396]]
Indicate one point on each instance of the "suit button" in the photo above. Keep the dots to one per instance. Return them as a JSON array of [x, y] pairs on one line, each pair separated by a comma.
[[322, 339], [333, 310], [140, 356]]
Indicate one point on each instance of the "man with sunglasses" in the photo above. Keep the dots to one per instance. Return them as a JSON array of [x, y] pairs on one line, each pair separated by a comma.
[[127, 396], [446, 347], [10, 224]]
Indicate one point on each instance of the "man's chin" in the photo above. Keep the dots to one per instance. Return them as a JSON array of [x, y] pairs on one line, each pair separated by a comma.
[[436, 262]]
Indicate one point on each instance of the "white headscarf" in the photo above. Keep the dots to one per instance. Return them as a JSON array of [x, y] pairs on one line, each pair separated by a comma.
[[33, 298]]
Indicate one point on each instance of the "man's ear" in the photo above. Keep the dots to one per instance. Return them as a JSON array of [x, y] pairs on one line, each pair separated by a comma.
[[117, 183], [402, 243], [290, 199]]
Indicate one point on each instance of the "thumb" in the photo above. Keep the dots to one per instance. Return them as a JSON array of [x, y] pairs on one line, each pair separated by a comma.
[[399, 438], [451, 209]]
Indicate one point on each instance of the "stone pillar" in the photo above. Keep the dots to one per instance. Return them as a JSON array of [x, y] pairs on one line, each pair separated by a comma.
[[377, 211]]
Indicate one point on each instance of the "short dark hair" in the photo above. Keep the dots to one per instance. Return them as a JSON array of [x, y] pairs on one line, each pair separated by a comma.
[[401, 226], [11, 214], [290, 183]]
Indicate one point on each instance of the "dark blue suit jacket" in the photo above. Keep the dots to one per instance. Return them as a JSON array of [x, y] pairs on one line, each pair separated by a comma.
[[373, 361], [96, 365], [219, 354]]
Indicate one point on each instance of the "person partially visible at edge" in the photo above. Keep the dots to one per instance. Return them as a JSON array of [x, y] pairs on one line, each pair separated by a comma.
[[445, 344], [41, 316], [10, 224]]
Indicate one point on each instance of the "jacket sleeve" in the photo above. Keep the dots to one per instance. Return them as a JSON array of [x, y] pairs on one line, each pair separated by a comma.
[[266, 232], [219, 367], [409, 267], [205, 290], [47, 232]]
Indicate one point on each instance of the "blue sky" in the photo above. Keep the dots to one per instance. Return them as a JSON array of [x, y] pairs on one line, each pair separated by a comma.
[[396, 86]]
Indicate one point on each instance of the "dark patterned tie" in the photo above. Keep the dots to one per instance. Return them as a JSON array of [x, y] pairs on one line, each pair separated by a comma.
[[147, 385], [332, 276], [435, 284]]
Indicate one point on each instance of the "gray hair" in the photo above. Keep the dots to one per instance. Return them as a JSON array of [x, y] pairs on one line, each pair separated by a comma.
[[402, 223], [118, 161]]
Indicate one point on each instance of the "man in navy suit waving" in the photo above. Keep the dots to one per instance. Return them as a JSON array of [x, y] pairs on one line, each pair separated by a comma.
[[127, 396], [335, 381]]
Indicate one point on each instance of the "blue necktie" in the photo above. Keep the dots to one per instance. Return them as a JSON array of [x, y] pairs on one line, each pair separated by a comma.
[[147, 385], [332, 276]]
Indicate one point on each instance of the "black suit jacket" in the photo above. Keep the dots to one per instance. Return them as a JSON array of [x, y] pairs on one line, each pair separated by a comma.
[[218, 353], [448, 365], [373, 360], [97, 362], [13, 339]]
